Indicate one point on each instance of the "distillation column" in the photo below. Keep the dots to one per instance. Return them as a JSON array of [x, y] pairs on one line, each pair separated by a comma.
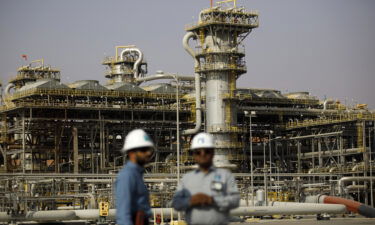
[[126, 66], [220, 32]]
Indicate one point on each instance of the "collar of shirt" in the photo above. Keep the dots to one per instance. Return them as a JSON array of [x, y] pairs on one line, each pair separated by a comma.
[[135, 166], [211, 169]]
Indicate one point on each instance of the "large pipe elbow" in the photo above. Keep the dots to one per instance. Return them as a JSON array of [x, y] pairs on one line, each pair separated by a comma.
[[352, 206], [7, 88], [198, 110], [185, 43], [137, 62]]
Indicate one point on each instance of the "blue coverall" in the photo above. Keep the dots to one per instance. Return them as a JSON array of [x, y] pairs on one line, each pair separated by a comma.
[[131, 194]]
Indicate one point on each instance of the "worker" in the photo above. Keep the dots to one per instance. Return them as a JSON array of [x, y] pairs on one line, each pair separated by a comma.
[[132, 198], [206, 194]]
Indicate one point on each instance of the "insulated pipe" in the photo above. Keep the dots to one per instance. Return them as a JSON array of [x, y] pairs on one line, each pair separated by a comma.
[[163, 76], [137, 62], [351, 205], [288, 209], [50, 215], [198, 110], [330, 153], [92, 214], [7, 88], [327, 102], [354, 188], [342, 181]]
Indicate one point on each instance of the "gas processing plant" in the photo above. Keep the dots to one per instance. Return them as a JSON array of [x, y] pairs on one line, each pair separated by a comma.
[[60, 143]]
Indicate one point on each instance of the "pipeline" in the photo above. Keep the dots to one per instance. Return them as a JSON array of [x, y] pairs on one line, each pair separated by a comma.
[[342, 181], [198, 110], [352, 206], [327, 102], [92, 214], [164, 76], [7, 88], [51, 215], [137, 62]]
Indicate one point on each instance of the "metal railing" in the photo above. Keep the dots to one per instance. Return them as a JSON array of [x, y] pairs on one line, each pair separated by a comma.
[[231, 50], [220, 66], [88, 93], [332, 120], [99, 105], [226, 17]]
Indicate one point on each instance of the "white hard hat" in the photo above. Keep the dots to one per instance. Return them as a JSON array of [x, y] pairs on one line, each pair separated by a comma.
[[202, 140], [137, 138]]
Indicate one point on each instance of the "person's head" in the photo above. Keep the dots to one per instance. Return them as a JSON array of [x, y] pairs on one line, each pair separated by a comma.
[[139, 147], [203, 148]]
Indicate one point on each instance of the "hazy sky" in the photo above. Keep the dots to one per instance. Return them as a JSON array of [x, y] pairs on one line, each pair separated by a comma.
[[325, 47]]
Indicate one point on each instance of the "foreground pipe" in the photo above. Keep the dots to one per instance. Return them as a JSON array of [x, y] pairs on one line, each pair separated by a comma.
[[352, 206], [198, 110], [290, 209], [51, 215], [137, 62], [282, 208]]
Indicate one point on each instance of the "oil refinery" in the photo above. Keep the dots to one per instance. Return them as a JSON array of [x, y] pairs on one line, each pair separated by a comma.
[[291, 153]]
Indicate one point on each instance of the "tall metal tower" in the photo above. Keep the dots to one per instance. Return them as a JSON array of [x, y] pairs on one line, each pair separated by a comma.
[[33, 72], [126, 66], [220, 61]]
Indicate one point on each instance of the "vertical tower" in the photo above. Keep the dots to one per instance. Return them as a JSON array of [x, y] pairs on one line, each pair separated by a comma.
[[33, 72], [220, 61], [126, 66]]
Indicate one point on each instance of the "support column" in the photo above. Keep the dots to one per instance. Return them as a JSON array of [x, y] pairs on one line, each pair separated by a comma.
[[101, 143], [365, 152], [320, 153], [313, 150], [23, 142], [342, 157], [75, 150], [56, 155], [299, 157], [5, 158]]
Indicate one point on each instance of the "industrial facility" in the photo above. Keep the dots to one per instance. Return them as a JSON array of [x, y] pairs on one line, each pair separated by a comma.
[[60, 143]]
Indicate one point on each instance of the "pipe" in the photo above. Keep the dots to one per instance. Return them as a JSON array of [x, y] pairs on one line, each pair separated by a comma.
[[352, 206], [343, 180], [50, 215], [198, 110], [288, 209], [137, 62], [330, 153], [333, 169], [327, 102], [357, 167], [7, 88], [92, 214], [164, 76], [356, 187]]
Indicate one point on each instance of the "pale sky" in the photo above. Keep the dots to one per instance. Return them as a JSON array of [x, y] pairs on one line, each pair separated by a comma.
[[325, 47]]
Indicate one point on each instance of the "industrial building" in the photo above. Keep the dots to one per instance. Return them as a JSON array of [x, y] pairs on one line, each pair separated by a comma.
[[60, 142]]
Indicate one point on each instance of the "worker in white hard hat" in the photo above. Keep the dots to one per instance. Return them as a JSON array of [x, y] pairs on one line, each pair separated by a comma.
[[206, 194], [132, 198]]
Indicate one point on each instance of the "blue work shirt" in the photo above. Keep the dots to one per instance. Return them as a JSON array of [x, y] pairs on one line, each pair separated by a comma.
[[131, 194], [217, 183]]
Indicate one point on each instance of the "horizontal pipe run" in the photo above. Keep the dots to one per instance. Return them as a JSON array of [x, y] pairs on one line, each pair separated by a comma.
[[352, 206], [93, 214], [165, 76], [342, 181]]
